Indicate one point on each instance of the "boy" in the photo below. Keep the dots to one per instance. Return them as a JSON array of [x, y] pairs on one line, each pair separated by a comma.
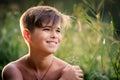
[[41, 30]]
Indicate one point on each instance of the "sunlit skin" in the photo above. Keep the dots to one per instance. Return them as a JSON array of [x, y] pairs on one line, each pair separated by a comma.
[[40, 62], [45, 40], [42, 43]]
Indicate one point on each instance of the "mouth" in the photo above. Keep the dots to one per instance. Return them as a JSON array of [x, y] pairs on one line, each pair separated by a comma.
[[52, 43]]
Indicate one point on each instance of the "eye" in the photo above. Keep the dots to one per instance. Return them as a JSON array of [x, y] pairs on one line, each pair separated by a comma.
[[46, 29], [58, 30]]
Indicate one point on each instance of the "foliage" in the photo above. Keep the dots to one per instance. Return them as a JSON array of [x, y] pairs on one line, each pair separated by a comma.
[[93, 50], [11, 41], [89, 43]]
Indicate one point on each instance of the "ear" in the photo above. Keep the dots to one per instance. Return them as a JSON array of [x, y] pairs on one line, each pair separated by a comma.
[[26, 35]]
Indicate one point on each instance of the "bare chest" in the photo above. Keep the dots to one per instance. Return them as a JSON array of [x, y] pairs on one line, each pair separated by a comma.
[[52, 74]]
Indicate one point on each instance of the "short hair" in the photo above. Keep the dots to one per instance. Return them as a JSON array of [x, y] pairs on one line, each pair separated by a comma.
[[35, 16]]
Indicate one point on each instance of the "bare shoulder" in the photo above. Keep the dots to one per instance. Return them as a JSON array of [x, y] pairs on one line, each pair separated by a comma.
[[11, 72], [61, 63]]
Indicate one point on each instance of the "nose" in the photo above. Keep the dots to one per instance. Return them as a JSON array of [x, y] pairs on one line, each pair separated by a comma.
[[54, 34]]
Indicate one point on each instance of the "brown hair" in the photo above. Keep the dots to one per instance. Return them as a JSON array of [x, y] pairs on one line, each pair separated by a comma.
[[35, 16]]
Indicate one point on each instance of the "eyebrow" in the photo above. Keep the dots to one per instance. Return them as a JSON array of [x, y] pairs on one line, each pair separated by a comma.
[[50, 27], [45, 26]]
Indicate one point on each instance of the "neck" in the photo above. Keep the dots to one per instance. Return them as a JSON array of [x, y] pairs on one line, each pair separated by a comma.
[[39, 62]]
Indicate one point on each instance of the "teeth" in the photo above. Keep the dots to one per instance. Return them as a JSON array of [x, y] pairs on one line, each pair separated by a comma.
[[52, 43]]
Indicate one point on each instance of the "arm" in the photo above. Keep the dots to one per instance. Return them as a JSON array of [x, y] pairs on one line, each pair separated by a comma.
[[11, 72], [72, 73]]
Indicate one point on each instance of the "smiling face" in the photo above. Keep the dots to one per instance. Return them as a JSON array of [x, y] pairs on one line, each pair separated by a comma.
[[40, 27], [45, 39]]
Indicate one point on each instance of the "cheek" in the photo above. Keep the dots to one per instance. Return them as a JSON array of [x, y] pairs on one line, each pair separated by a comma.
[[60, 39]]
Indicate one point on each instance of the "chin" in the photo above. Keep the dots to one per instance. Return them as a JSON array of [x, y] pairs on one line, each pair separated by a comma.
[[52, 51]]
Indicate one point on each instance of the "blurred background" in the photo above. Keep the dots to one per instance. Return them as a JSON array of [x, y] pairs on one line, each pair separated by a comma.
[[93, 41]]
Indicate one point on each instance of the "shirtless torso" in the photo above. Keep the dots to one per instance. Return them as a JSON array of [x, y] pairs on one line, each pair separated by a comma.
[[41, 29], [22, 70]]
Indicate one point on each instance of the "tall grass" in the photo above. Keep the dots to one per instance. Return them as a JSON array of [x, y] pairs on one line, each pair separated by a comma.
[[94, 49], [11, 41], [89, 43]]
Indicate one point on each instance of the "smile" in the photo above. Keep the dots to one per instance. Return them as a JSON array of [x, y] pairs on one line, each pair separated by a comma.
[[52, 43]]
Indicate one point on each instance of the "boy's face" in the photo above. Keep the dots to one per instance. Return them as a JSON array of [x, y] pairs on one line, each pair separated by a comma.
[[46, 39]]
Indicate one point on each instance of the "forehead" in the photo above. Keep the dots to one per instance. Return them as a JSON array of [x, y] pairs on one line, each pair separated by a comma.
[[51, 24]]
